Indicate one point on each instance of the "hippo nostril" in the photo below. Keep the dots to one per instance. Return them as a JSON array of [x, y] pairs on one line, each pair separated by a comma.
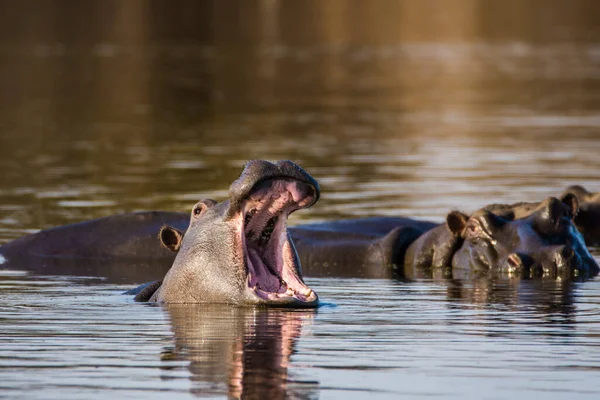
[[564, 255]]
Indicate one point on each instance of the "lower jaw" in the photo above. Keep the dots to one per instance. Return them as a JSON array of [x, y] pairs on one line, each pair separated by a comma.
[[284, 301]]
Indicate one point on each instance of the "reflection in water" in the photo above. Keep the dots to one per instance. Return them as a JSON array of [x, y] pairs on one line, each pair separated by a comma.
[[551, 300], [242, 351], [69, 338]]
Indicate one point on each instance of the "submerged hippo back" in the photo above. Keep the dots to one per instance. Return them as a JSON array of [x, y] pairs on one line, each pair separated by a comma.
[[121, 247]]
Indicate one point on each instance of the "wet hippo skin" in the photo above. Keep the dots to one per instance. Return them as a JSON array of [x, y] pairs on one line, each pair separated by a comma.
[[120, 248], [366, 247], [527, 240], [587, 218]]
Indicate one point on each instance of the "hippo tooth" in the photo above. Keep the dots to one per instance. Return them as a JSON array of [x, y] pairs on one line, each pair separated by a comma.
[[2, 259], [265, 295]]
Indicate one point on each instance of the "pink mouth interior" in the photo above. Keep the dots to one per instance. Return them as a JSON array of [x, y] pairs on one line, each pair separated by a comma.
[[271, 265]]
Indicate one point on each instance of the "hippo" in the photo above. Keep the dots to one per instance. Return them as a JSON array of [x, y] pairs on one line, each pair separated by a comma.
[[525, 239], [239, 251], [587, 218], [120, 248], [125, 247], [529, 240], [365, 247]]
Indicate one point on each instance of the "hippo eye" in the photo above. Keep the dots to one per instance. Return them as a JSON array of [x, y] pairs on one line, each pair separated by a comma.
[[198, 210], [473, 229]]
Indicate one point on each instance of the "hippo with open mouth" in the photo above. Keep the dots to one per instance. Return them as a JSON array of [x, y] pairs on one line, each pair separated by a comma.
[[239, 251]]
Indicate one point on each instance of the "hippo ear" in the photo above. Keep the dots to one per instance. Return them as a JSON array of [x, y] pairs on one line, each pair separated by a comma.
[[170, 238], [579, 191], [456, 222], [572, 202]]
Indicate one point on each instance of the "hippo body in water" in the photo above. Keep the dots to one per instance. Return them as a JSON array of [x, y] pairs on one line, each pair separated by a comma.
[[526, 239], [586, 220], [119, 248], [365, 247], [124, 236], [124, 247]]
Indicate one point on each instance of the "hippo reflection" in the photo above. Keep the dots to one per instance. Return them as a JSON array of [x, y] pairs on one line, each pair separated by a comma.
[[552, 300], [241, 352]]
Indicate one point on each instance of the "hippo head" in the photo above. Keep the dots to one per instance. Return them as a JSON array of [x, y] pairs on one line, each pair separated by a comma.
[[544, 243], [239, 251]]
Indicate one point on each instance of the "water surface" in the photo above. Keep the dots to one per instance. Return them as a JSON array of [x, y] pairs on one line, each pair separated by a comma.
[[396, 107]]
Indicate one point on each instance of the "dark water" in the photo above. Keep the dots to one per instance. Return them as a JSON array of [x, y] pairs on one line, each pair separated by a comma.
[[397, 108]]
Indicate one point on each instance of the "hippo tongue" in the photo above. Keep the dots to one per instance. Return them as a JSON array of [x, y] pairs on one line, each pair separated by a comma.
[[261, 275]]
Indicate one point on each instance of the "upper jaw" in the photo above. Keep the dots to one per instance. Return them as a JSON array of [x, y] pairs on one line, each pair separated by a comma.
[[258, 171]]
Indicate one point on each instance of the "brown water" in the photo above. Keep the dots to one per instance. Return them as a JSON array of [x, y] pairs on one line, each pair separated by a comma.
[[397, 108]]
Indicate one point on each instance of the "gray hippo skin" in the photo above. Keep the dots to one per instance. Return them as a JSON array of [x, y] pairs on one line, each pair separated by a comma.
[[587, 219], [365, 247], [432, 252], [239, 251], [543, 242], [120, 248]]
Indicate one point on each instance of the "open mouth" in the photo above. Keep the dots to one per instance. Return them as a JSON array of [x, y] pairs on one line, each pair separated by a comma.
[[272, 266]]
